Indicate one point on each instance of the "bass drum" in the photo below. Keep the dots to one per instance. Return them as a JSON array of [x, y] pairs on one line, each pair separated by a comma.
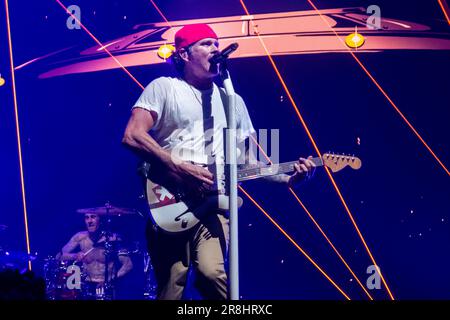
[[97, 291], [64, 280]]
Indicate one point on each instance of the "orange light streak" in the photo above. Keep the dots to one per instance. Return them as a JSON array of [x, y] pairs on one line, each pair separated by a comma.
[[318, 226], [19, 146], [284, 232], [102, 46], [444, 8], [382, 91], [331, 244], [315, 145], [294, 243], [160, 12]]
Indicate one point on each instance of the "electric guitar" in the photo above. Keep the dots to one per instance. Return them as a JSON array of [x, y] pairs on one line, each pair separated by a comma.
[[177, 211]]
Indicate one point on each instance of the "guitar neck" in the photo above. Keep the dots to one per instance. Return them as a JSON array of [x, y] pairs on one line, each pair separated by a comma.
[[265, 171]]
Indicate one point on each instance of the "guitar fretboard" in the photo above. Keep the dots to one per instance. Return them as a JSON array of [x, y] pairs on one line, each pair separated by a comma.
[[265, 171]]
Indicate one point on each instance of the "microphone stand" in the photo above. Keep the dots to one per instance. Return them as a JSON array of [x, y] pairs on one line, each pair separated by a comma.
[[231, 175]]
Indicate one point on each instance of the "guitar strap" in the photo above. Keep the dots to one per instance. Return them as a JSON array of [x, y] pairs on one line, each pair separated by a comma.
[[224, 98], [144, 166]]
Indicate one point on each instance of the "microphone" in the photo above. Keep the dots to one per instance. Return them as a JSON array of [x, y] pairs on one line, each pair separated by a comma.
[[223, 55]]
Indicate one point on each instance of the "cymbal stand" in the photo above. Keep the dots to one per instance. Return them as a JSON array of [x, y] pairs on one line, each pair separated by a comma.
[[108, 285]]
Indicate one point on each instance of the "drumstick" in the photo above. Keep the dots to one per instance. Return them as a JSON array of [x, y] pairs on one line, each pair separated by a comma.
[[87, 252]]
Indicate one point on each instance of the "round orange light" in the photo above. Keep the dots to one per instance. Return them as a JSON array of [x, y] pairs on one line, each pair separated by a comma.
[[165, 51], [355, 40]]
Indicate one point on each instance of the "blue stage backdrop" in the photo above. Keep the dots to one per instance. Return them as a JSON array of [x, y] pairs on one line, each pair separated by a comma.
[[71, 126]]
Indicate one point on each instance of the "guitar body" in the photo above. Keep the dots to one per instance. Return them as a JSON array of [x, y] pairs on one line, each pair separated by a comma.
[[179, 213], [169, 213]]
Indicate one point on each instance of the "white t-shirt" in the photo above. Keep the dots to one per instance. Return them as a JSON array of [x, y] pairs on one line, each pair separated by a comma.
[[190, 122]]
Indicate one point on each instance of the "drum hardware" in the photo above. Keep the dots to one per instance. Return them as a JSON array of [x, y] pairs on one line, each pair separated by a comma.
[[110, 245], [61, 277], [10, 259], [108, 210], [64, 281], [150, 288]]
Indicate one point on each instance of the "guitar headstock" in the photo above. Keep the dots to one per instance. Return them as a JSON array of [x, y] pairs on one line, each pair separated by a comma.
[[337, 162]]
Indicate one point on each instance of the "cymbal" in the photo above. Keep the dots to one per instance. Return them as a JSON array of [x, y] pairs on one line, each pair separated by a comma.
[[15, 257], [107, 210]]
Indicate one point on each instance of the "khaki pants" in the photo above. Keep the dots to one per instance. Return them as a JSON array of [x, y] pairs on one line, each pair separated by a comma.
[[207, 246]]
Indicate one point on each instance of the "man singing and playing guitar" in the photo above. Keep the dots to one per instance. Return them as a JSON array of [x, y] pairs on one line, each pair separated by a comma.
[[177, 126]]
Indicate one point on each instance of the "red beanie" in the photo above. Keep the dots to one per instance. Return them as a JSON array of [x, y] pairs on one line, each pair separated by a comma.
[[192, 33]]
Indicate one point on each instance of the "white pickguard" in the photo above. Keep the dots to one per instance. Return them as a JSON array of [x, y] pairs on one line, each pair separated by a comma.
[[175, 216]]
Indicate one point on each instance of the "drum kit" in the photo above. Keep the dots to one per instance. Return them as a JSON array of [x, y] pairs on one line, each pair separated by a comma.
[[63, 280], [11, 259], [70, 280]]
